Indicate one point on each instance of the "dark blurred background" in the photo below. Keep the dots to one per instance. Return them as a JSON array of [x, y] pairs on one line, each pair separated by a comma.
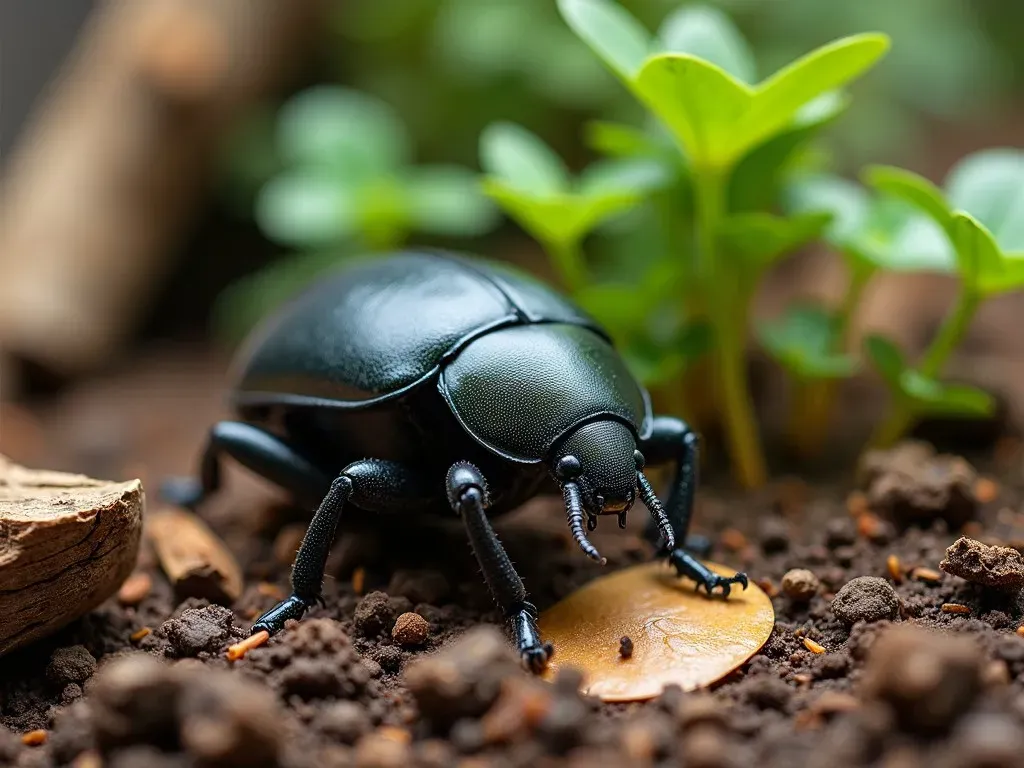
[[136, 137]]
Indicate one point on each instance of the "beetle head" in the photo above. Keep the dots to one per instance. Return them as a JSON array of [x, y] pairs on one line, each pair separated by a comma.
[[604, 469], [601, 472]]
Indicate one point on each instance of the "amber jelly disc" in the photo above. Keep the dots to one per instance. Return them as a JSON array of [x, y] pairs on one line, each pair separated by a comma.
[[679, 635]]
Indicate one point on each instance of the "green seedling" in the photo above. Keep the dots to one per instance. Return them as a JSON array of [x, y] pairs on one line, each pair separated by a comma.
[[981, 213], [698, 78], [349, 177], [532, 184], [872, 233]]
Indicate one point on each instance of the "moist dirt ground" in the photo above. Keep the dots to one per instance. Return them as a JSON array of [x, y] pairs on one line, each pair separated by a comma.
[[912, 667]]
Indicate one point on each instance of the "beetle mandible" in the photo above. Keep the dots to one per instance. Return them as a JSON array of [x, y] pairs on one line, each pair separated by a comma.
[[430, 382]]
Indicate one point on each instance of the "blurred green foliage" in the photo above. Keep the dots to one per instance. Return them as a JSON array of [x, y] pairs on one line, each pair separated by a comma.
[[705, 176]]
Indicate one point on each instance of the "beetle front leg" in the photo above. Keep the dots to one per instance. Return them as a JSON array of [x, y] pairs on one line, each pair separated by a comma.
[[467, 493], [672, 440], [371, 484]]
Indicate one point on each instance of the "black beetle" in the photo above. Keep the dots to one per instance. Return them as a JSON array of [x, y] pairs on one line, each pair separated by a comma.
[[431, 382]]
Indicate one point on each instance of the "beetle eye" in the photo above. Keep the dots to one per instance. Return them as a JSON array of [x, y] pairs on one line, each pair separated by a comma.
[[639, 459], [567, 468]]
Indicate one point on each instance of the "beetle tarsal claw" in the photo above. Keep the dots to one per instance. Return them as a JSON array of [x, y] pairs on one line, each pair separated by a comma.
[[574, 514], [657, 512]]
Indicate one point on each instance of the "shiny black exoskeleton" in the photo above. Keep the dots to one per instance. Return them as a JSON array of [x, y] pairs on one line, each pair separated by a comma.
[[428, 382]]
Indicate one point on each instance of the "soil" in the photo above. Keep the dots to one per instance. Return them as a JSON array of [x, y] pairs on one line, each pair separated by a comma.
[[405, 664]]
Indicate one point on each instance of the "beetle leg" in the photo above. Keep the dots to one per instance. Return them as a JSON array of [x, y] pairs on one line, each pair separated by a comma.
[[467, 493], [370, 484], [672, 440], [308, 570], [256, 449]]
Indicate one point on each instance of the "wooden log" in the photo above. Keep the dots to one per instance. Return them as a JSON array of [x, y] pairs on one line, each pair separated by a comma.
[[67, 542]]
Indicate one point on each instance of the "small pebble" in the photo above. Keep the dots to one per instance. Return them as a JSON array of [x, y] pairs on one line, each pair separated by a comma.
[[996, 567], [800, 584], [866, 598], [929, 679], [625, 647], [375, 613], [410, 629], [199, 629], [70, 665]]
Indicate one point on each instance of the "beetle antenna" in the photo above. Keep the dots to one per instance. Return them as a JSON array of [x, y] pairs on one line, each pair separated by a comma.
[[574, 513], [657, 511]]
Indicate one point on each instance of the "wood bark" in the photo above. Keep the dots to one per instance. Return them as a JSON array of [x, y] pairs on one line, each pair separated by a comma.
[[194, 558], [67, 542]]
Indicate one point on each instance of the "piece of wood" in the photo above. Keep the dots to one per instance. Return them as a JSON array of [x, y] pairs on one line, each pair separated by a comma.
[[116, 161], [67, 542], [679, 636], [194, 558]]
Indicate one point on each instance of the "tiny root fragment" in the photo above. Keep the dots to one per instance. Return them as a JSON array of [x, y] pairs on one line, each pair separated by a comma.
[[34, 738], [812, 646], [895, 568], [238, 650], [139, 634], [956, 608], [929, 575]]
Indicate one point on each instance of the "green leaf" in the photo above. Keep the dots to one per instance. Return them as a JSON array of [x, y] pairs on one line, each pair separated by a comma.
[[619, 140], [756, 181], [978, 257], [331, 127], [660, 361], [521, 160], [848, 204], [706, 32], [700, 103], [718, 118], [924, 395], [446, 200], [887, 358], [631, 177], [990, 186], [912, 188], [779, 97], [385, 217], [620, 40], [307, 210], [928, 396], [875, 233], [803, 341], [761, 238], [564, 218]]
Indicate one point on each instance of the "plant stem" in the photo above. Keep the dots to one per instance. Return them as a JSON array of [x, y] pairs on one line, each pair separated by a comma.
[[813, 400], [728, 315], [569, 262], [949, 336]]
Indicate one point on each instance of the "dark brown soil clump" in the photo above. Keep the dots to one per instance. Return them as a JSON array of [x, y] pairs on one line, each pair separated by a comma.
[[406, 664]]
